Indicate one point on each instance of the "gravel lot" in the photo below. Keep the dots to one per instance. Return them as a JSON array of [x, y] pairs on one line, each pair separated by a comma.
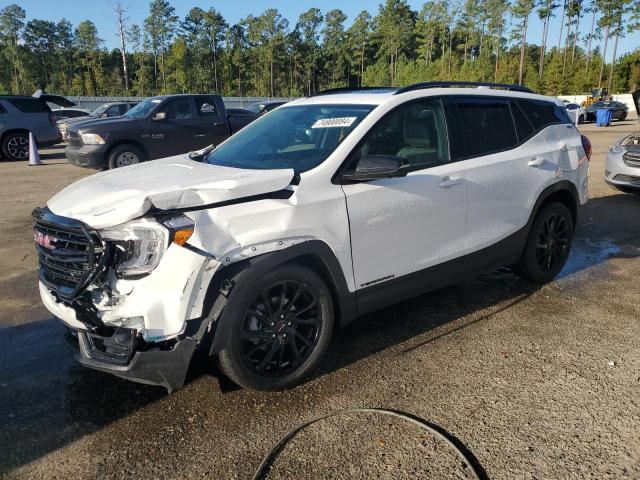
[[539, 383]]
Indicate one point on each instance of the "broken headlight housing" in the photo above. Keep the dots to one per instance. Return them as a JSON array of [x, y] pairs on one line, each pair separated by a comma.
[[139, 245]]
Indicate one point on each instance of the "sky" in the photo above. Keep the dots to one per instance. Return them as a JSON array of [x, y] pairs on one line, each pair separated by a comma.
[[100, 13]]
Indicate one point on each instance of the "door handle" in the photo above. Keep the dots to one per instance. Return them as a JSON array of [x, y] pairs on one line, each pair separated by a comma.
[[537, 162], [449, 181], [218, 124]]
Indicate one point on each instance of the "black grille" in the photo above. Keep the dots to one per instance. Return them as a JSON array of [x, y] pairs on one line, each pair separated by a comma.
[[73, 138], [632, 159], [71, 255]]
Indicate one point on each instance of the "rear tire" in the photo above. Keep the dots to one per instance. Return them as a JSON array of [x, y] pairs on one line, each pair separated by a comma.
[[15, 146], [548, 245], [281, 329], [125, 155]]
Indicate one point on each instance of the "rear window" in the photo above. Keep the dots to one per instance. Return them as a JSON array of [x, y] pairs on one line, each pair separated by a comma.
[[542, 114], [487, 125], [29, 105]]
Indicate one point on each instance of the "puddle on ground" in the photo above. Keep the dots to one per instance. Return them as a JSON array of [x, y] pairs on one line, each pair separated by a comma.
[[586, 253]]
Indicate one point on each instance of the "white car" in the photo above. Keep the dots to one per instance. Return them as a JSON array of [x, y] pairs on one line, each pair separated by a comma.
[[327, 208], [577, 114], [622, 168]]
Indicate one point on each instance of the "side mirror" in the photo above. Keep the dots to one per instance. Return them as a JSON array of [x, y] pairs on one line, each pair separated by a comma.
[[373, 167], [104, 115], [200, 155], [159, 117]]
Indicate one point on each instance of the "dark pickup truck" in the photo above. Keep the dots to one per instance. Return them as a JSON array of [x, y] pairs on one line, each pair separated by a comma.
[[158, 127]]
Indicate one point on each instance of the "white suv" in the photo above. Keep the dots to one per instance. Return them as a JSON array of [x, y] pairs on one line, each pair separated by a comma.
[[322, 210]]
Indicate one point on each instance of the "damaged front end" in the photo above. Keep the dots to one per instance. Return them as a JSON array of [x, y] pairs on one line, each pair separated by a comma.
[[126, 312]]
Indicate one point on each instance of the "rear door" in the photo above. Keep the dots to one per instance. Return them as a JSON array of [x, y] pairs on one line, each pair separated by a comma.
[[175, 134], [211, 126], [406, 224], [505, 165]]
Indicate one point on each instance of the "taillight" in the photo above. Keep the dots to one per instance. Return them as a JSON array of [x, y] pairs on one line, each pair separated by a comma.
[[586, 144], [52, 119]]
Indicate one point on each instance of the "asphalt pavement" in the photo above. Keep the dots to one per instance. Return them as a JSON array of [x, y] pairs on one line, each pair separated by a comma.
[[537, 383]]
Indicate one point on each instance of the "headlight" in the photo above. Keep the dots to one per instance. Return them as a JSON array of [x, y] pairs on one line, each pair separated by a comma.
[[141, 243], [92, 139]]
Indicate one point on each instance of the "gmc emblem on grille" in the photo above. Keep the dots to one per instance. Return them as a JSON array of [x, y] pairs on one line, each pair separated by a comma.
[[44, 240]]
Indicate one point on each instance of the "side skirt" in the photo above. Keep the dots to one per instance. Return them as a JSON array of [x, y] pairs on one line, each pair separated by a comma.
[[505, 252]]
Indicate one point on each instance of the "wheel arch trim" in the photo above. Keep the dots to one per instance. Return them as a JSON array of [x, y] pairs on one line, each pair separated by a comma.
[[229, 285]]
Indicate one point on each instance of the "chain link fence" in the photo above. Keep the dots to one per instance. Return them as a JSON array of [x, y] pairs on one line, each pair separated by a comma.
[[230, 102]]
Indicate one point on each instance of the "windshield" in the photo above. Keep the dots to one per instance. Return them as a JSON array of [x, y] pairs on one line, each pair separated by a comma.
[[143, 108], [297, 137], [96, 112], [255, 108]]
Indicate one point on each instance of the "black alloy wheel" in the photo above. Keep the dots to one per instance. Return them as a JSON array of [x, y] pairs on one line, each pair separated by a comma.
[[553, 240], [15, 146], [282, 325], [548, 245], [281, 328]]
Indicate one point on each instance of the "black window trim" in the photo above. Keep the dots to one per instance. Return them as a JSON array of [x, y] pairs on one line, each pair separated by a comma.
[[336, 179]]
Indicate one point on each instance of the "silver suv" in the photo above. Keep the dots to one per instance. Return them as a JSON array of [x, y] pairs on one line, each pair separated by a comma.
[[20, 115]]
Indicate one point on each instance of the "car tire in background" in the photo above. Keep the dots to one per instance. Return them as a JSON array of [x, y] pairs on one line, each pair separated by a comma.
[[281, 329], [581, 119], [548, 245], [15, 146], [124, 155], [623, 116]]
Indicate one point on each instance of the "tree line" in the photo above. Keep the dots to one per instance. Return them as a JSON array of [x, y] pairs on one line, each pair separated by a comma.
[[267, 55]]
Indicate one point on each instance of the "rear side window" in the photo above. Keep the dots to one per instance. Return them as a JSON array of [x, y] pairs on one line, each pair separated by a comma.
[[29, 105], [524, 128], [485, 126], [206, 106], [2, 109], [542, 114]]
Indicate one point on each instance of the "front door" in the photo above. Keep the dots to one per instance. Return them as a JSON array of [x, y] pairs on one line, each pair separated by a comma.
[[175, 134], [405, 224]]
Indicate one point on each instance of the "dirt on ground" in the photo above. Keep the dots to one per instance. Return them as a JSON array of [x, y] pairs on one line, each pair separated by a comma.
[[536, 382]]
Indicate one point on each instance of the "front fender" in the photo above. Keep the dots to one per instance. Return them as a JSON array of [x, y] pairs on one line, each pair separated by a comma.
[[230, 287]]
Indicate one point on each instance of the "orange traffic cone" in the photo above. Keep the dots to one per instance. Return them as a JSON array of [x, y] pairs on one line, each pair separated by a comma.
[[34, 156]]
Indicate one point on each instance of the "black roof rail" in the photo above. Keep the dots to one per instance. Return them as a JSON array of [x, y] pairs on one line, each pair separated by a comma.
[[501, 86], [331, 91]]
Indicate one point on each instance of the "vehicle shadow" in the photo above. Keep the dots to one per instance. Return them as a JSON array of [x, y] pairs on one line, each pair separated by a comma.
[[47, 401]]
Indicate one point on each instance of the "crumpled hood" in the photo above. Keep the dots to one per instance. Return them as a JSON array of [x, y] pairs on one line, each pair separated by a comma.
[[113, 197]]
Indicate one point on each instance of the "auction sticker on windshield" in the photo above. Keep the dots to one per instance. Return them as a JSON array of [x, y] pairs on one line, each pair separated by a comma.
[[334, 122]]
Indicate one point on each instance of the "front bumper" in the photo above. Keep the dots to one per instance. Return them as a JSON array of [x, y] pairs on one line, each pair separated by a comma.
[[164, 365], [88, 156], [619, 174]]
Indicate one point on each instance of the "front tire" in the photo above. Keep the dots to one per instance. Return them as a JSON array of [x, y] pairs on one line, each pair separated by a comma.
[[125, 155], [281, 330], [548, 245], [15, 146]]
